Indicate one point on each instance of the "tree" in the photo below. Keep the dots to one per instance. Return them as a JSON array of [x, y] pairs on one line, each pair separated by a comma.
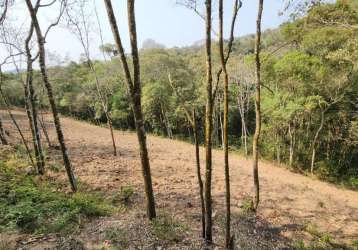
[[12, 117], [208, 126], [80, 26], [134, 86], [256, 138], [42, 62], [228, 238]]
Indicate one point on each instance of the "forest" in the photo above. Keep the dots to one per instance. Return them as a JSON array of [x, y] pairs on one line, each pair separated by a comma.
[[265, 124]]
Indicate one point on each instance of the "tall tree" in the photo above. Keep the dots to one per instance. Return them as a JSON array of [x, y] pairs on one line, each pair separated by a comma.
[[43, 68], [193, 120], [256, 138], [80, 26], [134, 86], [228, 238], [208, 126], [12, 117], [31, 105]]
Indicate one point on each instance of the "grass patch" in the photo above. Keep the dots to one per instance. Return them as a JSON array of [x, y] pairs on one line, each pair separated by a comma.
[[117, 236], [247, 206], [124, 196], [320, 240], [167, 229], [31, 205]]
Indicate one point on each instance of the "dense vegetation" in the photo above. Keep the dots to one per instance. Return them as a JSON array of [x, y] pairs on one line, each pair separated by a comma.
[[309, 99]]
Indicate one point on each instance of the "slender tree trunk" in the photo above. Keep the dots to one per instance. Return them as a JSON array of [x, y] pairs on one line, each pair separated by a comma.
[[110, 126], [134, 86], [256, 138], [8, 109], [39, 166], [278, 149], [31, 107], [198, 171], [228, 239], [208, 127], [102, 98], [194, 124], [292, 144], [44, 129], [2, 134], [43, 69], [221, 122], [315, 139], [241, 107]]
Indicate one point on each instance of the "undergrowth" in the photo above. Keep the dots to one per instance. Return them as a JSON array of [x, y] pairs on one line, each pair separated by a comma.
[[29, 204]]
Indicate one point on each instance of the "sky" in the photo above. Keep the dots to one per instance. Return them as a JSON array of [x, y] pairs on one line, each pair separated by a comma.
[[161, 20]]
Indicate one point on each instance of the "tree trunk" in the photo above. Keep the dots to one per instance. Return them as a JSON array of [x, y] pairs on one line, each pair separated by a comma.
[[256, 138], [31, 107], [2, 134], [315, 140], [292, 144], [43, 69], [134, 86], [103, 100], [241, 107], [44, 130], [228, 239], [7, 105], [208, 127], [110, 126], [198, 171]]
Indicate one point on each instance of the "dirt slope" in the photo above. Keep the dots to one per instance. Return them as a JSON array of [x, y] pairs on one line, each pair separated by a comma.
[[288, 200]]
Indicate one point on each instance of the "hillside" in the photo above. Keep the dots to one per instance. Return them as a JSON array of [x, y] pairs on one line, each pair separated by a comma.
[[293, 206]]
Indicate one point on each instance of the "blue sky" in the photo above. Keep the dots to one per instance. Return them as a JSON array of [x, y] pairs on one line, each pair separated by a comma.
[[162, 20]]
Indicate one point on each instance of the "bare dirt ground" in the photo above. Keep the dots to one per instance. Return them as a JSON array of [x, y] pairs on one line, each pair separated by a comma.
[[289, 201]]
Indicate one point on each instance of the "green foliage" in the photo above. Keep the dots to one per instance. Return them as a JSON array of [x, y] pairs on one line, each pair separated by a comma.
[[29, 205], [167, 229], [124, 196], [247, 206], [117, 236]]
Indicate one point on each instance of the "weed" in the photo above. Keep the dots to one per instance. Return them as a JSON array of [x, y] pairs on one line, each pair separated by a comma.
[[117, 237], [299, 245], [247, 205], [55, 167], [29, 205], [124, 195], [321, 204], [167, 229], [355, 244]]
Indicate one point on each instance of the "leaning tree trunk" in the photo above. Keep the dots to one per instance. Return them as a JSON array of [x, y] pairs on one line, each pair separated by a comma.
[[134, 86], [198, 171], [315, 140], [12, 117], [44, 129], [46, 81], [2, 134], [31, 107], [257, 107]]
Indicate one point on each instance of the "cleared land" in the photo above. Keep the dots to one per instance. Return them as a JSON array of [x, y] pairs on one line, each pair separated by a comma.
[[292, 205]]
